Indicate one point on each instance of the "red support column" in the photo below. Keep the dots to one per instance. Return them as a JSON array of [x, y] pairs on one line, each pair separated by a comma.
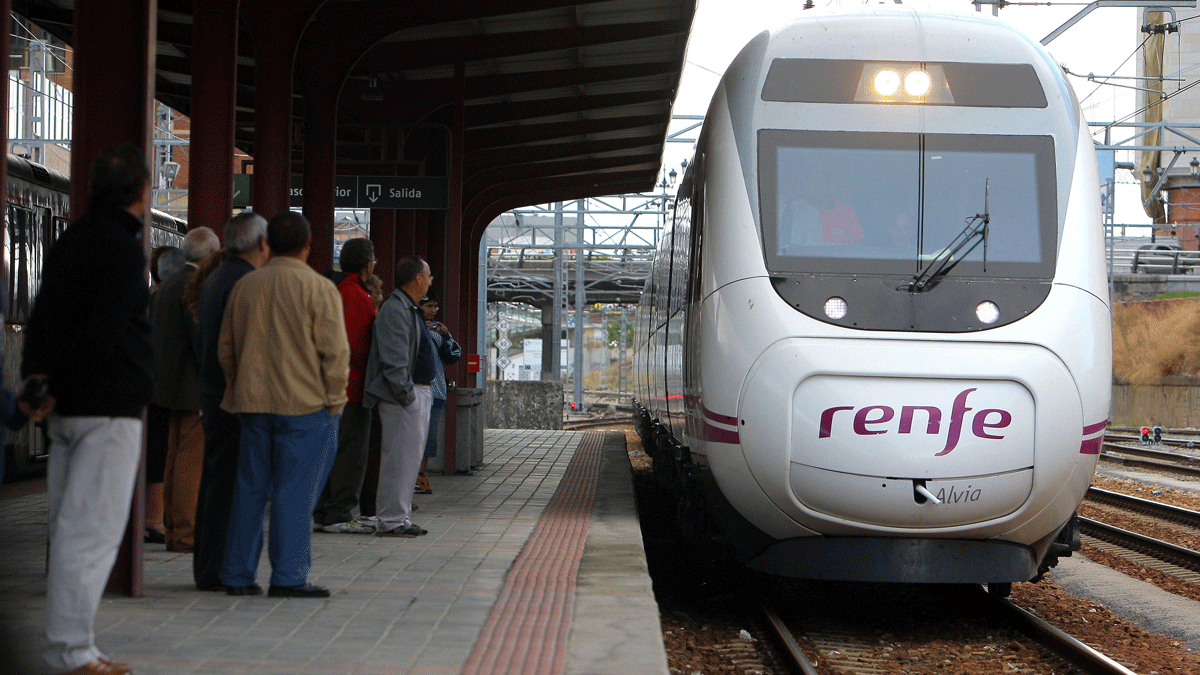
[[419, 241], [320, 169], [436, 253], [406, 225], [5, 10], [114, 103], [383, 235], [470, 329], [214, 92], [454, 296], [276, 27]]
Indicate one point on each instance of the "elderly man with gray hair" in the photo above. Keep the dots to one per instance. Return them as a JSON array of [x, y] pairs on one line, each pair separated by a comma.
[[176, 388], [245, 251]]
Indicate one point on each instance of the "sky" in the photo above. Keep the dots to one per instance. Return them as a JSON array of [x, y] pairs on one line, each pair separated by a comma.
[[1104, 43]]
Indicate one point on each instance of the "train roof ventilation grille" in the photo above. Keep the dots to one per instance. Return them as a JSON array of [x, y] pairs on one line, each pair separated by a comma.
[[40, 172]]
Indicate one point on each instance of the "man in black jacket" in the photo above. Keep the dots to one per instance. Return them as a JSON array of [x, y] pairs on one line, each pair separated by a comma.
[[89, 335], [245, 251]]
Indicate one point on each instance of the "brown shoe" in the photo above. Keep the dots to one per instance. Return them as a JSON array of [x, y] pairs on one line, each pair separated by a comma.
[[423, 485], [101, 666]]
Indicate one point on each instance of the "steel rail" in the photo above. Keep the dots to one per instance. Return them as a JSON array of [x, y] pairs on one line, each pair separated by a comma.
[[1147, 506], [787, 640], [1069, 648], [1149, 463], [1150, 453], [1174, 432], [1078, 653], [592, 424], [1156, 548], [1170, 442]]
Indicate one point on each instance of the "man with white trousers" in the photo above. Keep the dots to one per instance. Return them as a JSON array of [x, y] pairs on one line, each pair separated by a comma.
[[89, 336], [400, 369]]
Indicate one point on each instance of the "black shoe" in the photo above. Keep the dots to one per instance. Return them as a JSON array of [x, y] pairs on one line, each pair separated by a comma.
[[305, 591], [154, 537], [252, 589], [405, 531]]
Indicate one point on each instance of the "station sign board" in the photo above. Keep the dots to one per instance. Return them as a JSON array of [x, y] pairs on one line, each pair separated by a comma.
[[362, 192]]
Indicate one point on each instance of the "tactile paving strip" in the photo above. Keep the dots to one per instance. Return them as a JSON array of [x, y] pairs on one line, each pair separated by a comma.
[[527, 630]]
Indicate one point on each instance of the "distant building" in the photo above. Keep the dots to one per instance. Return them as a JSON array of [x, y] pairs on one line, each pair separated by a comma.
[[1172, 54]]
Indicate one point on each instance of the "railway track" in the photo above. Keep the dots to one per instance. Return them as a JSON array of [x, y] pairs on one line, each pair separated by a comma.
[[840, 647], [1177, 561], [1195, 433], [1147, 458], [1170, 442], [1146, 506], [596, 424]]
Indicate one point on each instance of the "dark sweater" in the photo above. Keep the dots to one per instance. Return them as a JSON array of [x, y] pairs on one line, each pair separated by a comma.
[[213, 297], [89, 330]]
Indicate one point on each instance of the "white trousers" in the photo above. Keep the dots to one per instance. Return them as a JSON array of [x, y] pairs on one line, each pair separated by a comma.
[[89, 480], [405, 430]]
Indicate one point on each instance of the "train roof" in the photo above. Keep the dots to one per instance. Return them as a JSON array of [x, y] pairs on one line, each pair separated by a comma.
[[24, 169]]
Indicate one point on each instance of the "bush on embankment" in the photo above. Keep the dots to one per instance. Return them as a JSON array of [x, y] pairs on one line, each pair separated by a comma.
[[1154, 339]]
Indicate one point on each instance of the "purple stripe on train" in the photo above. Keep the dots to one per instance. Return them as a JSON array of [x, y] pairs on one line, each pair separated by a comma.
[[1093, 428], [718, 417], [719, 435]]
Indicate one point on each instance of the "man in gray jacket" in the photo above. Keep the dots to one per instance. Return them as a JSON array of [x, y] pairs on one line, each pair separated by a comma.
[[400, 369]]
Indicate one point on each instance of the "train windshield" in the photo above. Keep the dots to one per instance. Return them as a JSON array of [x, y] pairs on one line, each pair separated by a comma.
[[890, 203]]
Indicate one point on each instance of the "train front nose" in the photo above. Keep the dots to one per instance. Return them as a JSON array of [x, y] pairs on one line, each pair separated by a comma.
[[850, 437], [893, 452]]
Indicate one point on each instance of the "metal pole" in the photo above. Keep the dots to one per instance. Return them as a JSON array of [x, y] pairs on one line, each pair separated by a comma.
[[555, 345], [579, 302], [622, 378], [481, 316]]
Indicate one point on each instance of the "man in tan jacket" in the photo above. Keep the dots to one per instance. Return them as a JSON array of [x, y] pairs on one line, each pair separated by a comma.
[[286, 360]]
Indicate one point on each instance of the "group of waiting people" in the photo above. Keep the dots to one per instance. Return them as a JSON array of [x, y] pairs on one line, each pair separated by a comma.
[[265, 374]]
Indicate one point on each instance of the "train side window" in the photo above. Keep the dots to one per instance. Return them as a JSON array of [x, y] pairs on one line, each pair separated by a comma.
[[680, 251], [60, 226], [697, 228], [20, 263]]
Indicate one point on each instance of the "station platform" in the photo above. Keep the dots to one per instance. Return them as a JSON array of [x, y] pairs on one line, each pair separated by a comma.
[[533, 564]]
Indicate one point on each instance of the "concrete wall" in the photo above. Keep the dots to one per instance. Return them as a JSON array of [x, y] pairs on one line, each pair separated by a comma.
[[1142, 286], [524, 405], [1174, 403]]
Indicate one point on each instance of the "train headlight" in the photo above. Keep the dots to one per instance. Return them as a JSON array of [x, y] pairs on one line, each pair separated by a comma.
[[903, 82], [887, 82], [917, 83], [836, 308], [987, 311]]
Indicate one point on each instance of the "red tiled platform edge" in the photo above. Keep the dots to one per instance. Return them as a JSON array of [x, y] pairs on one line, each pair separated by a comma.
[[528, 627]]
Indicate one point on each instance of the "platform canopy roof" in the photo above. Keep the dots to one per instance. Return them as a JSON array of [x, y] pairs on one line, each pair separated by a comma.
[[562, 98]]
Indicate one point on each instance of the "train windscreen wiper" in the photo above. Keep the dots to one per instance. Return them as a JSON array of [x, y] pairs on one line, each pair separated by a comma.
[[971, 236]]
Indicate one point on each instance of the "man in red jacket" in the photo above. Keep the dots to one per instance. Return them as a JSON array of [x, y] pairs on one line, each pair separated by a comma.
[[335, 509]]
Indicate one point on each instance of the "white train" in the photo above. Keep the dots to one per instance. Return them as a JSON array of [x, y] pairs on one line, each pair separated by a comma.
[[876, 342]]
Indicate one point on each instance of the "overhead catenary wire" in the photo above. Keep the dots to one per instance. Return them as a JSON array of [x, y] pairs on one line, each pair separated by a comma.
[[16, 19]]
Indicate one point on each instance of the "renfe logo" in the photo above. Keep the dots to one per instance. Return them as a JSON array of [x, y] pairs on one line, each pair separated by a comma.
[[873, 419]]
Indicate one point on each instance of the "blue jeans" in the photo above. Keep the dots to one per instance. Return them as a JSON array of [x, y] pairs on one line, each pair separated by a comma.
[[287, 459]]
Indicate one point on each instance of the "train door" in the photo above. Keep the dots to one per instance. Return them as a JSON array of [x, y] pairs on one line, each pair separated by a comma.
[[21, 266], [658, 344], [694, 177], [24, 263], [676, 314]]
